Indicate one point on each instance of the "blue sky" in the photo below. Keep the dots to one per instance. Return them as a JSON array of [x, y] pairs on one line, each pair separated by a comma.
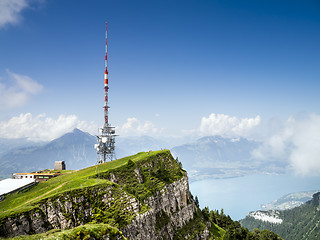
[[175, 67]]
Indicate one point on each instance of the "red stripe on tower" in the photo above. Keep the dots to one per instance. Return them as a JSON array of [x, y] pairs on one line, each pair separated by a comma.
[[106, 82]]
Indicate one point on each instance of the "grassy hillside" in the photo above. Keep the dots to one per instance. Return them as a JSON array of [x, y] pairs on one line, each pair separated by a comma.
[[134, 177], [68, 181]]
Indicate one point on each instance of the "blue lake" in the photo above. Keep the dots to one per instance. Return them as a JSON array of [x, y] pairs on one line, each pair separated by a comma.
[[238, 196]]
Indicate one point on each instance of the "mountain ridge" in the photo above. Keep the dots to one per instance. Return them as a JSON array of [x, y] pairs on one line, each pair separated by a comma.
[[289, 201], [76, 146], [207, 157], [218, 157]]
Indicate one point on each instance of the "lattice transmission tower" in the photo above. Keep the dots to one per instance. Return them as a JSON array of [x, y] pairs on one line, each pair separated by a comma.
[[106, 136]]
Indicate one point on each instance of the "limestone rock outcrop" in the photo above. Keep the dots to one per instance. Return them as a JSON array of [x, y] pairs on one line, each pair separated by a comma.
[[170, 209], [158, 216]]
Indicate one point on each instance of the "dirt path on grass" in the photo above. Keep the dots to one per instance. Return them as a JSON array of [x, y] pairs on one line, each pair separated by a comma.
[[56, 188], [36, 198]]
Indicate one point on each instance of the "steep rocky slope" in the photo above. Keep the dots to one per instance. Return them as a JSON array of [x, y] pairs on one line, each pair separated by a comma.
[[145, 197]]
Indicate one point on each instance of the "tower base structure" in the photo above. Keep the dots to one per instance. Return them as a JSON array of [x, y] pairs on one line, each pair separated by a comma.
[[106, 144]]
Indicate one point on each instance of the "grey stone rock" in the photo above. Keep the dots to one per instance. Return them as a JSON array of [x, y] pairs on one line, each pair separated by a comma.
[[170, 209]]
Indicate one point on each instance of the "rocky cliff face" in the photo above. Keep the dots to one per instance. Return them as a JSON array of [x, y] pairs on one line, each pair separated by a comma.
[[158, 216], [171, 208], [66, 211]]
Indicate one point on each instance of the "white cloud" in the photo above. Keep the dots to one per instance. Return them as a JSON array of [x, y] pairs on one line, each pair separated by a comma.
[[227, 126], [134, 127], [297, 142], [26, 83], [305, 157], [19, 92], [42, 128], [10, 11]]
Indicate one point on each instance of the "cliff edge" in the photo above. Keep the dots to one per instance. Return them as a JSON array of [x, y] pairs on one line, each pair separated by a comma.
[[145, 196]]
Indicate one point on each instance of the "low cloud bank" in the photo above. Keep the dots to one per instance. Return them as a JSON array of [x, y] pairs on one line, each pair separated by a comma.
[[41, 127], [227, 126], [296, 141], [134, 127]]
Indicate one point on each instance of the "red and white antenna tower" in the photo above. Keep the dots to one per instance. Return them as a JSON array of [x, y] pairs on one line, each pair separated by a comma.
[[106, 137], [106, 82]]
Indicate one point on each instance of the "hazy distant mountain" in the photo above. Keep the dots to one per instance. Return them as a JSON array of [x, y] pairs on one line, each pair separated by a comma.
[[289, 201], [8, 144], [207, 157], [219, 157], [75, 148]]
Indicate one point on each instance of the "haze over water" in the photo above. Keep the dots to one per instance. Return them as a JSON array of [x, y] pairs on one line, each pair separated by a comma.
[[241, 195]]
